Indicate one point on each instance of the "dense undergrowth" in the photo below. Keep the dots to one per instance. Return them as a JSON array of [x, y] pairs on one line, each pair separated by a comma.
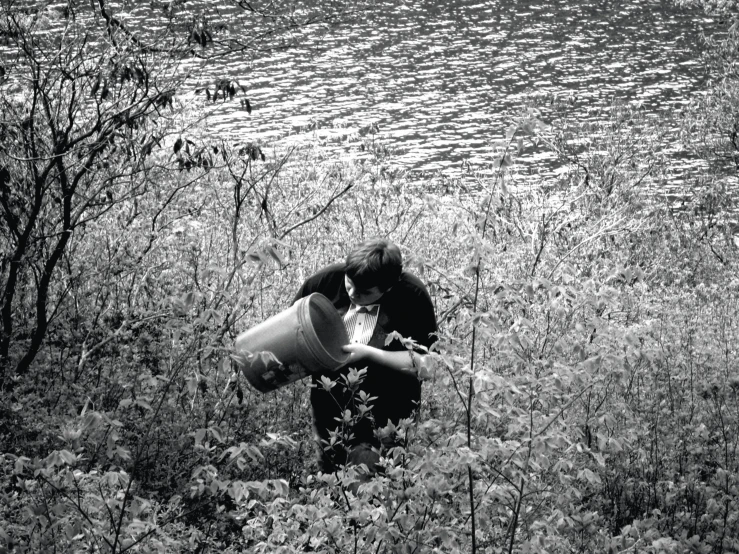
[[584, 394]]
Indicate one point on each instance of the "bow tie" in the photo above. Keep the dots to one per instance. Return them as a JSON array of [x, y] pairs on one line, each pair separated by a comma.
[[371, 310]]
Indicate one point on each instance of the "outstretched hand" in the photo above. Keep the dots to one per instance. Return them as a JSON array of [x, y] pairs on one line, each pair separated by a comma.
[[404, 361], [358, 352]]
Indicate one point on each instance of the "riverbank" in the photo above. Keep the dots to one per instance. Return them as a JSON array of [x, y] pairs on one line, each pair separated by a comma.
[[584, 397]]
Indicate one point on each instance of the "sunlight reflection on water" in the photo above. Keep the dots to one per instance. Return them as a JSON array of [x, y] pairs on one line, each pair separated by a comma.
[[443, 79]]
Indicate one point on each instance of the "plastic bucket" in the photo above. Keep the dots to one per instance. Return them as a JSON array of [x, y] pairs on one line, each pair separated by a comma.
[[304, 339]]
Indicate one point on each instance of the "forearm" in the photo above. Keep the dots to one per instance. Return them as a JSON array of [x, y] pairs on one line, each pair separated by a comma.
[[403, 361]]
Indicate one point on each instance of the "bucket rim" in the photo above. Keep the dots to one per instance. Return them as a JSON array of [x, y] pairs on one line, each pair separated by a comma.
[[316, 347]]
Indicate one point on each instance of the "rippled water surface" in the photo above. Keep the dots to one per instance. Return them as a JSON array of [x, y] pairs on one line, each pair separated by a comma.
[[441, 79]]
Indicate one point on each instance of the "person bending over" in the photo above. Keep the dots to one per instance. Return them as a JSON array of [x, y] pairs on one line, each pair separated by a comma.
[[375, 297]]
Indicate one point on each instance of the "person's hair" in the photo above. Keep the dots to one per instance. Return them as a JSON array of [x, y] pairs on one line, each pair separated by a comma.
[[374, 263]]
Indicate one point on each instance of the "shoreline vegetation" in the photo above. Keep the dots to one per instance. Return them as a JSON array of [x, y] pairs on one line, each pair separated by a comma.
[[583, 396]]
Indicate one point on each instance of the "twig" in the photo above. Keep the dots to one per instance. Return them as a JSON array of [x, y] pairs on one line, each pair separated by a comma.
[[318, 214]]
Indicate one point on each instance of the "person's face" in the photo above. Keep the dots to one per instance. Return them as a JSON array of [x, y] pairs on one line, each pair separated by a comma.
[[362, 297]]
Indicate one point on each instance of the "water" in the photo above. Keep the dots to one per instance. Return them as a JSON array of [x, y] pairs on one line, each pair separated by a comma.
[[443, 79]]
